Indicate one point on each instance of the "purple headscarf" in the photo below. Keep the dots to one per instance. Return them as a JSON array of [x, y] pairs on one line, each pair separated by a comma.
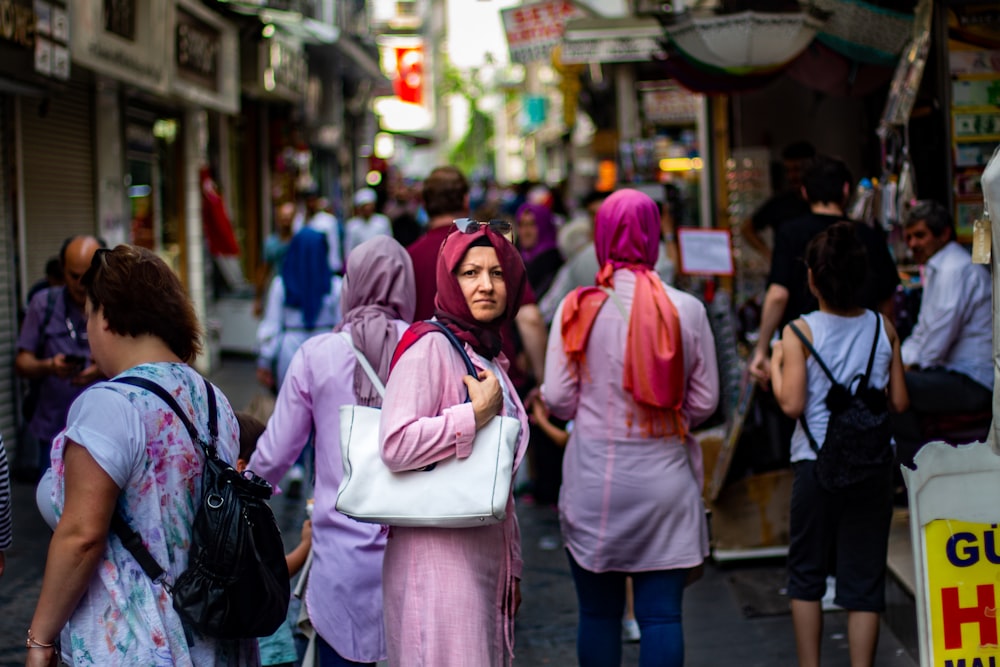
[[379, 287], [547, 233], [627, 230]]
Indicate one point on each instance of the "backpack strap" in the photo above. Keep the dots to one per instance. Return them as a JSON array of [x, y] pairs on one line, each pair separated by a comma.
[[833, 380], [50, 306], [871, 355], [164, 395], [130, 539]]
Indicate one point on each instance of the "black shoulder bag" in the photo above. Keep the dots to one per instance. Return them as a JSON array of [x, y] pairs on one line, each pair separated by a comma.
[[236, 584]]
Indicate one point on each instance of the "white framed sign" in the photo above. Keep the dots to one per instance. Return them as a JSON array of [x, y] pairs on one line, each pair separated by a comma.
[[705, 252]]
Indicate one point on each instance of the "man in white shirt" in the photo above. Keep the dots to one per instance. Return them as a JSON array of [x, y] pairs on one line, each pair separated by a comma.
[[321, 220], [366, 223], [947, 356]]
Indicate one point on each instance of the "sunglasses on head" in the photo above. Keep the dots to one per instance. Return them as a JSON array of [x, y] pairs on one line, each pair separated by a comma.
[[501, 227]]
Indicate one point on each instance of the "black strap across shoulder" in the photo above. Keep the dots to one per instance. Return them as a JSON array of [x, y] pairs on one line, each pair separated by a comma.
[[164, 395], [863, 382], [131, 540]]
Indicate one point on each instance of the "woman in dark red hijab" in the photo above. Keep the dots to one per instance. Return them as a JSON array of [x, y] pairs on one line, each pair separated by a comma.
[[450, 594]]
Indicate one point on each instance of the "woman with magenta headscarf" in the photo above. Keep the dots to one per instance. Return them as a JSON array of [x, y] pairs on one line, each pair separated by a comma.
[[632, 361], [344, 593], [537, 240], [304, 300], [451, 593]]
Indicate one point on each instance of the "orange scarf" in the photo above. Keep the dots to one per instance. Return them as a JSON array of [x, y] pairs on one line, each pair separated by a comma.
[[654, 355]]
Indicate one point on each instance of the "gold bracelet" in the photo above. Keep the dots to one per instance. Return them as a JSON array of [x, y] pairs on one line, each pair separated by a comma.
[[31, 642]]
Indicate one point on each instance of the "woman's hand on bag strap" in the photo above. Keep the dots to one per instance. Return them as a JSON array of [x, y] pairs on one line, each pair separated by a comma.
[[485, 395]]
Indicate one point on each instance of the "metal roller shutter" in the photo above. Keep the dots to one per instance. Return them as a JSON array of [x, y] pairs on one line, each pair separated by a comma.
[[57, 162], [8, 311]]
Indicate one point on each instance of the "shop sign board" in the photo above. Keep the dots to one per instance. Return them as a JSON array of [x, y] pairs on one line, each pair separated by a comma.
[[534, 29], [204, 58], [956, 543], [122, 39], [612, 49], [611, 41], [34, 38]]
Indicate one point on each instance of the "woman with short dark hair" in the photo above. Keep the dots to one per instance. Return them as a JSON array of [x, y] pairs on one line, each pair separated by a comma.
[[123, 450]]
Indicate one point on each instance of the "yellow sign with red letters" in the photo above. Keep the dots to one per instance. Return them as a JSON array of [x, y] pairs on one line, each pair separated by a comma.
[[963, 579]]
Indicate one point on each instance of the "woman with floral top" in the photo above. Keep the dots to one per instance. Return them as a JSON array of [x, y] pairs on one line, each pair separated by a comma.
[[123, 449]]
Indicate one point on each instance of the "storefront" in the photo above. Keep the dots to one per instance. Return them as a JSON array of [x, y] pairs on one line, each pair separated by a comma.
[[36, 96]]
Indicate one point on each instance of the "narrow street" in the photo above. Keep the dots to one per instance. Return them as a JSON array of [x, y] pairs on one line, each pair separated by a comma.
[[735, 612]]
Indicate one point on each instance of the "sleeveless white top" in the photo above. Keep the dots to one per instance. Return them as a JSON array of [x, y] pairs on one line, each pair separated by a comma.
[[844, 344]]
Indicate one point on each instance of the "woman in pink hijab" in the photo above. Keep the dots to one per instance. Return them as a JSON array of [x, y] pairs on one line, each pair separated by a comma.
[[632, 361], [451, 593], [344, 593], [537, 239]]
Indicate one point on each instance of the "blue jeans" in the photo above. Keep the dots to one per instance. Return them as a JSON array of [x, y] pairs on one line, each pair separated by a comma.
[[601, 598], [328, 657]]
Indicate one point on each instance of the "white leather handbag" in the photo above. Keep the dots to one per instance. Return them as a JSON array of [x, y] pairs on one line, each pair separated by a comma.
[[453, 493]]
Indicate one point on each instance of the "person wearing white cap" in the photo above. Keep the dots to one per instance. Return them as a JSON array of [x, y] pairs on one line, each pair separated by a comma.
[[366, 223]]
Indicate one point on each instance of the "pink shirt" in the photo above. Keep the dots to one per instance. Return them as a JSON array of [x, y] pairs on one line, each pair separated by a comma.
[[344, 595], [628, 502], [444, 587]]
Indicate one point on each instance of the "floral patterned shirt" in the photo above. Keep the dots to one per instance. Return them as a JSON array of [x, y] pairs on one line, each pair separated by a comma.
[[124, 618]]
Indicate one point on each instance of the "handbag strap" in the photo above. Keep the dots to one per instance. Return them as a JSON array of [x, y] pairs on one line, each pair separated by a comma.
[[469, 366], [130, 539], [833, 380], [618, 302], [367, 367]]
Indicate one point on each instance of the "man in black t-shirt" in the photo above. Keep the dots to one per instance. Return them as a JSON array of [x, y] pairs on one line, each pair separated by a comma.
[[827, 185], [783, 206]]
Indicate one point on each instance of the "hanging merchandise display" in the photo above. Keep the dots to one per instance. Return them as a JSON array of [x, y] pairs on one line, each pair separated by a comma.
[[743, 43], [974, 74], [864, 32]]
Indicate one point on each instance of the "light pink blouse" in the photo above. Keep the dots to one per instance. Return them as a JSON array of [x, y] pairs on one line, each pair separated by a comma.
[[344, 594], [444, 587], [628, 502]]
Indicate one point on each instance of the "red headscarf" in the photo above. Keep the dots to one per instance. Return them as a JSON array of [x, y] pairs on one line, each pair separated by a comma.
[[450, 306], [627, 236]]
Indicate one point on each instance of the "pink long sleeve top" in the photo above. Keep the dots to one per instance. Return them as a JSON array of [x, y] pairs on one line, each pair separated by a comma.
[[444, 587], [344, 593], [628, 502]]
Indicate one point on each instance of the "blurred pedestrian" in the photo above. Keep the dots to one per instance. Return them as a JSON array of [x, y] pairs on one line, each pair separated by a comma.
[[54, 353], [631, 502], [451, 593], [366, 223], [275, 248], [303, 301], [53, 278], [344, 592]]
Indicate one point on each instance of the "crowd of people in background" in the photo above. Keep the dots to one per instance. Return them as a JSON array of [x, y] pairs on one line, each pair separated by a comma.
[[577, 329]]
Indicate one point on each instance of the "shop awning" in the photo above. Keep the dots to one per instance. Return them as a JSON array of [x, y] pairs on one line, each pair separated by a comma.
[[611, 40]]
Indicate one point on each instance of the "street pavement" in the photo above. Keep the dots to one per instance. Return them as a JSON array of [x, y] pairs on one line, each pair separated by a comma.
[[716, 630]]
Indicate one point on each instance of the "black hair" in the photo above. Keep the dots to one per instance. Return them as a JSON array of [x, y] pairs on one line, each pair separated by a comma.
[[251, 429], [54, 269], [934, 215], [482, 241], [593, 196], [824, 180], [839, 264], [798, 150]]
